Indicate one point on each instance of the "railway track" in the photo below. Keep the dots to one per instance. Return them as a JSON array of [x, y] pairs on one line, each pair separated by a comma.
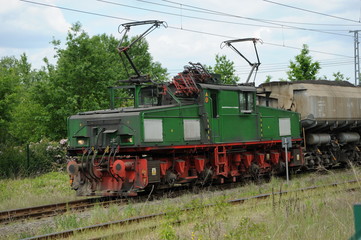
[[55, 209], [50, 210], [69, 233]]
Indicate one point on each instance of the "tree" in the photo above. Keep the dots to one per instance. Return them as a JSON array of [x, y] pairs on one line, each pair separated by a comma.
[[29, 120], [84, 71], [268, 79], [15, 76], [18, 110], [225, 68], [303, 68], [338, 76], [35, 103], [9, 86]]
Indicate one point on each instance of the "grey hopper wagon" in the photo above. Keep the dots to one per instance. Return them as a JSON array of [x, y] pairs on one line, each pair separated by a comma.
[[322, 104]]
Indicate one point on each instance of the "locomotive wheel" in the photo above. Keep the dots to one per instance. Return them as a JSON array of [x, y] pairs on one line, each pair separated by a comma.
[[255, 173]]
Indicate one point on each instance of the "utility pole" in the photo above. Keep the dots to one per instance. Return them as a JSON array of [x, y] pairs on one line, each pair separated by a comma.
[[357, 57]]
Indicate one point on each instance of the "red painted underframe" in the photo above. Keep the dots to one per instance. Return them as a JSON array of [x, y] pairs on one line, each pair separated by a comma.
[[273, 142]]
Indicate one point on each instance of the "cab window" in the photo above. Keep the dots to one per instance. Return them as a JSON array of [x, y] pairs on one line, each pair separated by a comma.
[[149, 97], [246, 102]]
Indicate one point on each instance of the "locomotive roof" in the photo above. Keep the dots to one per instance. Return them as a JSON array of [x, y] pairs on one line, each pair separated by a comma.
[[127, 110], [242, 88]]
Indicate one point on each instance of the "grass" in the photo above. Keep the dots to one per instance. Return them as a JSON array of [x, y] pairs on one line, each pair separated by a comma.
[[318, 214], [48, 188]]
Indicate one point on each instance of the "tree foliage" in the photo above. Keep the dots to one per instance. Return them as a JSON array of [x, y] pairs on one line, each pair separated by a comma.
[[338, 76], [35, 104], [268, 79], [303, 68], [15, 76], [226, 69]]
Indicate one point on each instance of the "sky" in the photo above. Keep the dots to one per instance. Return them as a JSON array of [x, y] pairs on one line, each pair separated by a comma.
[[195, 30]]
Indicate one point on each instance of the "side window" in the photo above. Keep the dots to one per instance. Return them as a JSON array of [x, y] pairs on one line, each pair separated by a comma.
[[242, 101], [250, 100], [246, 102]]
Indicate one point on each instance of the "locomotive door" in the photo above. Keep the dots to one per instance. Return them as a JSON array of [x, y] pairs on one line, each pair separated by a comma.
[[216, 137]]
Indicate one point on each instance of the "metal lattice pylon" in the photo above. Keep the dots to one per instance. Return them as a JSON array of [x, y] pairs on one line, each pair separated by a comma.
[[357, 57]]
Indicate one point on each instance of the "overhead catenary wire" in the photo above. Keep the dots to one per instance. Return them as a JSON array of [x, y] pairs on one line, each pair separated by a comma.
[[76, 10], [219, 12], [244, 70], [228, 22], [267, 43], [273, 64], [311, 11], [233, 15], [285, 68], [176, 28], [212, 12], [187, 16]]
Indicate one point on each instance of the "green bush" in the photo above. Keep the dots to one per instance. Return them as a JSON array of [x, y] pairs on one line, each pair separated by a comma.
[[32, 159], [12, 160]]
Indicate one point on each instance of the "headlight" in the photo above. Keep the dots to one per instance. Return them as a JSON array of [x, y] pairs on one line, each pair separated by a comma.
[[81, 142], [126, 139]]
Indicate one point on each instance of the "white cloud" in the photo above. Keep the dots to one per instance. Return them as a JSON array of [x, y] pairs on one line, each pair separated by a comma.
[[25, 25], [27, 28]]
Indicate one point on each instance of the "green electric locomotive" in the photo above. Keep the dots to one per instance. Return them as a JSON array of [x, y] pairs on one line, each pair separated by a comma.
[[192, 130]]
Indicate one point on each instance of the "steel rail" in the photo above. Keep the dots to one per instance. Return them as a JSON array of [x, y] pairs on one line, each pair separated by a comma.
[[71, 232], [48, 210], [121, 235]]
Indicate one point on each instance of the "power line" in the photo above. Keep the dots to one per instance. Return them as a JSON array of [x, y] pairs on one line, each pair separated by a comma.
[[76, 10], [212, 12], [310, 11], [284, 69], [182, 15], [228, 22], [268, 43], [292, 47], [177, 28], [269, 70], [280, 26], [315, 24], [325, 61], [286, 65], [232, 15]]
